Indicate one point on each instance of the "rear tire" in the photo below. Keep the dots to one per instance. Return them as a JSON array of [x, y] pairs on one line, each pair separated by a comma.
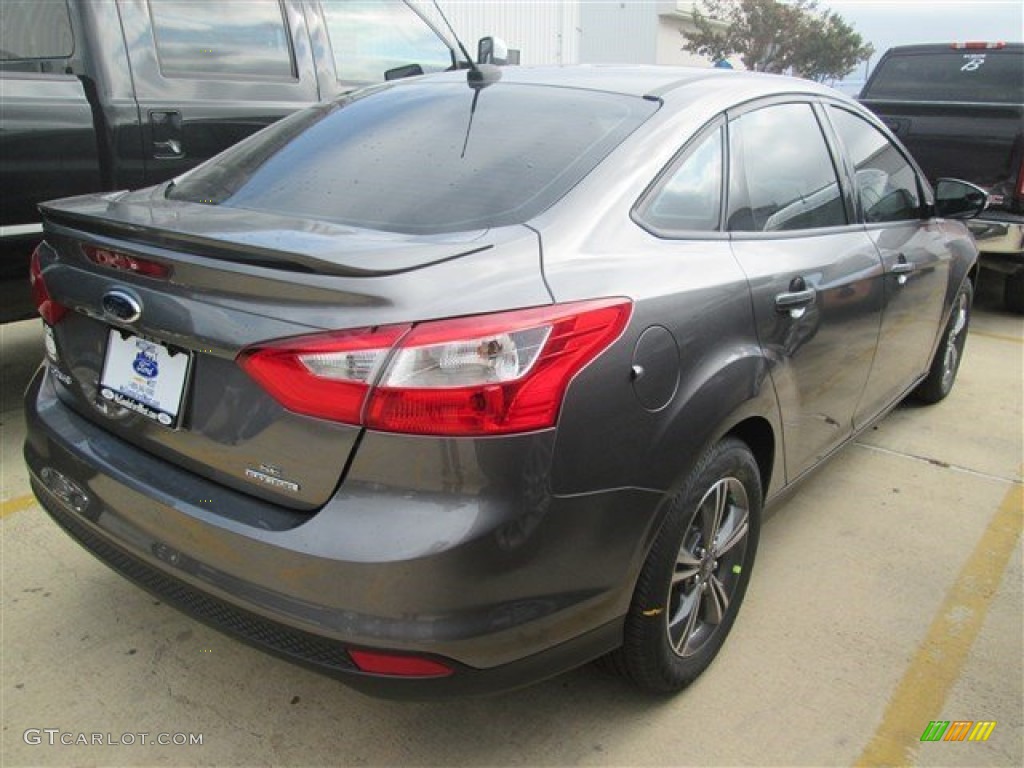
[[693, 581], [1013, 292], [946, 362]]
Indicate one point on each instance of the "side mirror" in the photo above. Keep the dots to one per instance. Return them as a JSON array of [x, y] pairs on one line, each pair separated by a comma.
[[491, 50], [955, 199], [409, 70]]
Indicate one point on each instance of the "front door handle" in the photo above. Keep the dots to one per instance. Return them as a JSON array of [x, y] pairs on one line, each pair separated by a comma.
[[796, 300]]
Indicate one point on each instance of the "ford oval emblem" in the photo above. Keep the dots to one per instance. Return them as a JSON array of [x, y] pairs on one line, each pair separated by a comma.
[[121, 306]]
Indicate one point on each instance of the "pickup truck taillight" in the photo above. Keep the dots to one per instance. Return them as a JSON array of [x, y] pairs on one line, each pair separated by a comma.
[[48, 309], [485, 375]]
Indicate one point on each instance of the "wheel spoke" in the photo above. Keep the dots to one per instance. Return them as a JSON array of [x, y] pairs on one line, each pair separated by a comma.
[[716, 601], [737, 532], [691, 622], [711, 519], [687, 567]]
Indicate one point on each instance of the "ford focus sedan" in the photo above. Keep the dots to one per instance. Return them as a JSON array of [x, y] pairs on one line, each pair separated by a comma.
[[460, 382]]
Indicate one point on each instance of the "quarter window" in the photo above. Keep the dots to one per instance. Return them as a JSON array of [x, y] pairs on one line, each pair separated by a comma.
[[222, 38], [369, 37], [886, 182], [690, 198], [782, 173]]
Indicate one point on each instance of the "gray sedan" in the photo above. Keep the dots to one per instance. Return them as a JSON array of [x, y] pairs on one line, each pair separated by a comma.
[[461, 381]]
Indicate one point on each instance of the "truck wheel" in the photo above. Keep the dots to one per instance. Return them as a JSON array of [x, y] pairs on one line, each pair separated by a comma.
[[946, 362], [1013, 292], [691, 586]]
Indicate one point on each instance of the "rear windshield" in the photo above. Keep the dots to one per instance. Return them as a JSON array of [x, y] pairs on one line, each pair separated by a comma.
[[422, 158], [970, 76]]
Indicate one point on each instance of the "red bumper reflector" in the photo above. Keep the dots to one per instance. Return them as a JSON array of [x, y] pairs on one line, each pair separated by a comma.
[[397, 665]]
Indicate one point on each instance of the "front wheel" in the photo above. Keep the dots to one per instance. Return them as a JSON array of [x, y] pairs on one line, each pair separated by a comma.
[[946, 362], [693, 581]]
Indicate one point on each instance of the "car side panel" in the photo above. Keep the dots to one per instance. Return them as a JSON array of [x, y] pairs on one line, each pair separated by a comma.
[[617, 430]]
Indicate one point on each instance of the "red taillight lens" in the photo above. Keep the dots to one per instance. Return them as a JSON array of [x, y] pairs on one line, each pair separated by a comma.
[[1020, 183], [398, 665], [105, 257], [327, 375], [497, 374], [48, 309], [486, 375]]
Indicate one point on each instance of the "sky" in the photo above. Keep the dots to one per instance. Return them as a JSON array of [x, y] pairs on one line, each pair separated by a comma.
[[885, 23]]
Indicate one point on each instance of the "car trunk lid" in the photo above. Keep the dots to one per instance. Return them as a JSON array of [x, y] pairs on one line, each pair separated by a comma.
[[233, 280]]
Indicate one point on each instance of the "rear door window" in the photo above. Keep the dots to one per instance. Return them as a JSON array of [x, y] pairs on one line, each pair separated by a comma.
[[782, 176], [222, 39], [967, 76]]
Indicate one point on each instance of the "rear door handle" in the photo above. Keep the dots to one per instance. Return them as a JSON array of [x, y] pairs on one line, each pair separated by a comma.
[[796, 300]]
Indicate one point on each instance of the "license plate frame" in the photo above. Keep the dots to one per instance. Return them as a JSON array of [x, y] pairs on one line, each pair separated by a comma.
[[147, 377]]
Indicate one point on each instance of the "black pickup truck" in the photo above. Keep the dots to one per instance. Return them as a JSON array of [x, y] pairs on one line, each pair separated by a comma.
[[113, 94], [959, 108]]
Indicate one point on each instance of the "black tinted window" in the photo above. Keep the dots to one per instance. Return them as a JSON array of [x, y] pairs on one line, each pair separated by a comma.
[[369, 37], [33, 29], [782, 174], [404, 158], [971, 76], [886, 183], [689, 199], [222, 38]]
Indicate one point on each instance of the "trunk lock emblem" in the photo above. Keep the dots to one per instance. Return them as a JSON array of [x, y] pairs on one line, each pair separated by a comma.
[[121, 306]]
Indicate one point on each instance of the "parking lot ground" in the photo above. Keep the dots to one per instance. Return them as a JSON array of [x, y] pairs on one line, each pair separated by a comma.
[[887, 594]]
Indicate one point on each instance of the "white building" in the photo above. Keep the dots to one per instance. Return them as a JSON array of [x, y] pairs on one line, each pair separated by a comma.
[[579, 31]]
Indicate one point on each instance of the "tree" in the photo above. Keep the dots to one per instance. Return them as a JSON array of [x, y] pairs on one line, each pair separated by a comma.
[[772, 36]]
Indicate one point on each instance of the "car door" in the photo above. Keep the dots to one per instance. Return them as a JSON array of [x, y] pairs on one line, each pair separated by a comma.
[[207, 75], [814, 274], [914, 255]]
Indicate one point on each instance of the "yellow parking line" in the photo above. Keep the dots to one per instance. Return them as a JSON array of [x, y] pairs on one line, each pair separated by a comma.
[[940, 657], [16, 504], [997, 336]]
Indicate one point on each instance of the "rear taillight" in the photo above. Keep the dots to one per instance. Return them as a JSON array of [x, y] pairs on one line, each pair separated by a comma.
[[48, 309], [484, 375], [1019, 193], [327, 375]]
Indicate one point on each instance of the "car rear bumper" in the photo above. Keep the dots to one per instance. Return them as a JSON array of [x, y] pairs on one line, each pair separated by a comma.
[[505, 591]]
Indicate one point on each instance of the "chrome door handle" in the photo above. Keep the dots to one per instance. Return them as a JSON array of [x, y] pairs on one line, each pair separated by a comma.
[[902, 268], [795, 302], [167, 150]]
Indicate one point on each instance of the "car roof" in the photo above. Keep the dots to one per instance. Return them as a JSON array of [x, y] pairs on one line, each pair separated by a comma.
[[641, 80]]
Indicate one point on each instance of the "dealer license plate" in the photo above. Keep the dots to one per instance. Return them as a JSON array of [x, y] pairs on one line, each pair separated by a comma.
[[145, 377]]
